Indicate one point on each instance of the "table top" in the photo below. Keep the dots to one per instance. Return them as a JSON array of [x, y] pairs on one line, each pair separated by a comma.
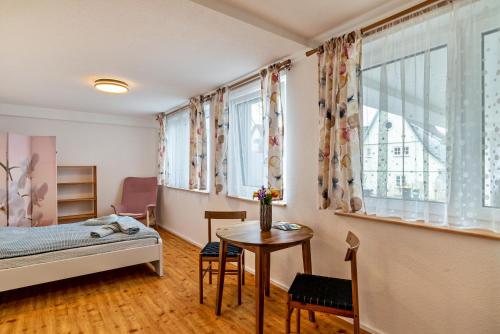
[[249, 233]]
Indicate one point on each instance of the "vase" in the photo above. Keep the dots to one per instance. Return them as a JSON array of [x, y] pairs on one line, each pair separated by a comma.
[[266, 217]]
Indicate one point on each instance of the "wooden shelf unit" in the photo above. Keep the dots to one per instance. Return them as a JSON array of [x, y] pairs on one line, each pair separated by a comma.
[[74, 218], [76, 182], [76, 193], [70, 200]]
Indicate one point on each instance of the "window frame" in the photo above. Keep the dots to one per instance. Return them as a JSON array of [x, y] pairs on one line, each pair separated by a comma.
[[177, 113], [243, 96], [283, 85]]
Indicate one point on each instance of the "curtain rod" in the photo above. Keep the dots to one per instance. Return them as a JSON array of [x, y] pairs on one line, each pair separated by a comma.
[[286, 64], [170, 112], [208, 97], [281, 66], [383, 22]]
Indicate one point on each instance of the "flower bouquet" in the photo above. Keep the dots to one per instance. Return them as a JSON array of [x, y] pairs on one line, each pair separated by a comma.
[[265, 197]]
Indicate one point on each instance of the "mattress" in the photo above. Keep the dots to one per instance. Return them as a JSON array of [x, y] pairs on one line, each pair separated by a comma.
[[21, 241], [71, 253]]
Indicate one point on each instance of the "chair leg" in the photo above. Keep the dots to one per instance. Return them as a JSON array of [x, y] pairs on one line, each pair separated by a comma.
[[243, 268], [201, 280], [153, 214], [298, 321], [356, 324], [289, 312], [210, 272], [239, 280], [147, 217]]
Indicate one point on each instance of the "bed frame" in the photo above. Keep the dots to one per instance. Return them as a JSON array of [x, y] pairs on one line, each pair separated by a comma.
[[14, 278]]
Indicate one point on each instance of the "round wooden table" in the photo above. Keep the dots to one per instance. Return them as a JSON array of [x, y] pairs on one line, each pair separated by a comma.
[[249, 236]]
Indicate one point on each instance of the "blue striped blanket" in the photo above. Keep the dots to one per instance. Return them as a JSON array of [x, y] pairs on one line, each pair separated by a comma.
[[22, 241]]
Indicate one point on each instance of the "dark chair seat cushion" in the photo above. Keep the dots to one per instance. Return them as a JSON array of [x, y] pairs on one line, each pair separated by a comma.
[[324, 291], [212, 249]]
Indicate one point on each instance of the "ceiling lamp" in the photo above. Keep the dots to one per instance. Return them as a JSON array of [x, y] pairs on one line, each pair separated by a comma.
[[111, 86]]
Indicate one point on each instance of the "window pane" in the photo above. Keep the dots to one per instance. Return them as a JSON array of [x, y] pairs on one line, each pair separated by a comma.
[[404, 127], [206, 110], [251, 141], [491, 106], [178, 149], [246, 141]]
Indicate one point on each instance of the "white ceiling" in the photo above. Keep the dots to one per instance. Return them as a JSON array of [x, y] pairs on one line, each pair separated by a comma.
[[167, 50], [308, 18]]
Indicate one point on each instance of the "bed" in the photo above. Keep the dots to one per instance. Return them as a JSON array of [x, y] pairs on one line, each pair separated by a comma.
[[30, 256]]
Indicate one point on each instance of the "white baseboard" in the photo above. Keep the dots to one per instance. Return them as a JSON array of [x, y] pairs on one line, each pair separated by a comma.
[[276, 283], [182, 236]]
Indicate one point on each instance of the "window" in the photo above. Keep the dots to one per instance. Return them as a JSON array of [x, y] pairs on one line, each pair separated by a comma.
[[491, 117], [400, 180], [431, 117], [247, 166], [208, 125], [397, 150], [178, 149], [404, 108]]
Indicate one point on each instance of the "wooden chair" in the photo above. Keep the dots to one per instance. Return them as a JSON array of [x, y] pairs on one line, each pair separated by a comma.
[[210, 253], [327, 294]]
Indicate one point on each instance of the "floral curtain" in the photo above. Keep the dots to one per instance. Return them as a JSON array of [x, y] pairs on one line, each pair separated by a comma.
[[220, 110], [162, 145], [273, 114], [339, 178], [197, 146]]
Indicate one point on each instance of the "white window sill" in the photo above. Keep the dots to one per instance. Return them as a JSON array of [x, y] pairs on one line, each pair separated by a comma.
[[274, 203], [205, 192], [420, 224]]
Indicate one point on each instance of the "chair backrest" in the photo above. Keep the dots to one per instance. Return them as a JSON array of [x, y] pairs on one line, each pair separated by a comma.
[[353, 242], [139, 192], [209, 215]]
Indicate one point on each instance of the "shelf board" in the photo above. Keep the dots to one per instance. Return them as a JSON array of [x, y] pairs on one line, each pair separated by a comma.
[[75, 182], [76, 217], [80, 199]]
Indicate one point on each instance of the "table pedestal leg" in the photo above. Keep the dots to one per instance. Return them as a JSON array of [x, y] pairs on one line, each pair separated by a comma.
[[306, 258], [220, 276], [259, 290]]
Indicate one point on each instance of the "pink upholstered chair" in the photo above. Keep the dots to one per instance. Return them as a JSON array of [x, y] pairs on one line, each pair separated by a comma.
[[138, 198]]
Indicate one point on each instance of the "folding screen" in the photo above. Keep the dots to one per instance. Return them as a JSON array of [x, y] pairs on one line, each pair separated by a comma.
[[28, 185], [3, 179]]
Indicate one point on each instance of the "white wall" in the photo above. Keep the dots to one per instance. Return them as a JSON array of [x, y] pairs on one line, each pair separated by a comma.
[[411, 280], [119, 146]]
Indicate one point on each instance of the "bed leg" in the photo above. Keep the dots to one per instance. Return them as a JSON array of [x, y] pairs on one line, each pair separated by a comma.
[[158, 265]]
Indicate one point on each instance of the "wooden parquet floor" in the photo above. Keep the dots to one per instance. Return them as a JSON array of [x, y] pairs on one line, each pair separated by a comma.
[[135, 300]]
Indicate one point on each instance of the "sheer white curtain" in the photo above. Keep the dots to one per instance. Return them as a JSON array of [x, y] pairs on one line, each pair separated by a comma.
[[246, 159], [473, 115], [178, 149], [429, 148]]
